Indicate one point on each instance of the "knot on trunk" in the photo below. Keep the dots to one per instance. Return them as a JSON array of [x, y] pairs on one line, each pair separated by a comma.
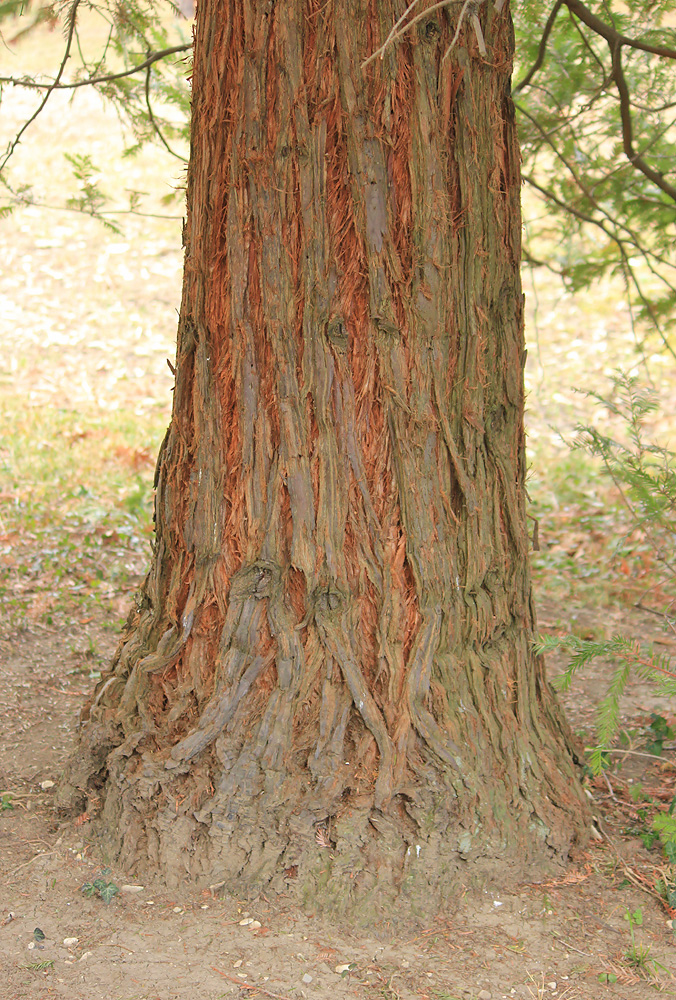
[[258, 580]]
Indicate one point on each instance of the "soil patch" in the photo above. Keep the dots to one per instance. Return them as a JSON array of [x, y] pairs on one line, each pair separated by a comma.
[[548, 938]]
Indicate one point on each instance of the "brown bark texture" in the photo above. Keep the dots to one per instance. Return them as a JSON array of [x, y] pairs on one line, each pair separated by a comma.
[[327, 680]]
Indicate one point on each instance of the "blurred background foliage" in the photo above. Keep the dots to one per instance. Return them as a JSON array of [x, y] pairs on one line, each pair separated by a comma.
[[594, 87], [86, 403]]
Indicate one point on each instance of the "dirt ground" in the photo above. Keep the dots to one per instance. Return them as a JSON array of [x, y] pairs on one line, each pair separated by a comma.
[[88, 318], [551, 937]]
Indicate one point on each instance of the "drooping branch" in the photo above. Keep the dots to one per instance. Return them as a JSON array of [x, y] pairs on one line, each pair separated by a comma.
[[612, 35], [155, 124], [587, 191], [151, 58], [53, 86], [616, 40], [542, 48], [628, 271], [627, 128]]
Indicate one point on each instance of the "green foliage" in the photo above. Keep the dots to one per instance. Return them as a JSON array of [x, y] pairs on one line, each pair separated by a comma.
[[664, 825], [637, 954], [643, 473], [599, 149], [141, 70], [90, 198], [100, 887], [595, 120], [6, 801], [660, 731], [632, 660], [667, 887]]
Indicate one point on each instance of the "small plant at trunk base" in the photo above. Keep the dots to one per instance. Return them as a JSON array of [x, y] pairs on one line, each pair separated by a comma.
[[633, 660], [636, 954], [100, 887], [644, 474]]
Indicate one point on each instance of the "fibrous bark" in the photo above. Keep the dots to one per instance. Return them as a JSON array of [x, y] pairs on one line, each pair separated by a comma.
[[329, 670]]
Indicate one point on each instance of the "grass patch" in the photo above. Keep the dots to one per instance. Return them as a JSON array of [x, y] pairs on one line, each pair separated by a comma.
[[75, 510], [589, 551]]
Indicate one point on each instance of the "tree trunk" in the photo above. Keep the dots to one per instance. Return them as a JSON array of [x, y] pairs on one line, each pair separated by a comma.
[[328, 679]]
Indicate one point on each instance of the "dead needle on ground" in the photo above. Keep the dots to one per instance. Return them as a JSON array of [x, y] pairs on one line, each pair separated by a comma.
[[249, 986]]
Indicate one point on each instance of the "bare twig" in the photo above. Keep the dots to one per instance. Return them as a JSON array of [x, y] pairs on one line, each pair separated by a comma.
[[394, 35], [43, 854], [571, 947], [249, 986], [632, 753], [457, 30]]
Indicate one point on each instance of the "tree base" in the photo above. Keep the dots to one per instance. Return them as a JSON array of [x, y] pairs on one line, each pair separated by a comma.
[[356, 862]]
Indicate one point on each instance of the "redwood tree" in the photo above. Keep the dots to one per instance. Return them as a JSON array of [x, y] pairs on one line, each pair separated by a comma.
[[328, 680]]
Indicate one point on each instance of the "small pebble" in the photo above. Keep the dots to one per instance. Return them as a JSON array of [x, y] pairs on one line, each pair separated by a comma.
[[178, 909], [237, 964], [132, 888], [340, 969], [307, 978], [246, 922], [484, 995], [44, 785], [69, 942]]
